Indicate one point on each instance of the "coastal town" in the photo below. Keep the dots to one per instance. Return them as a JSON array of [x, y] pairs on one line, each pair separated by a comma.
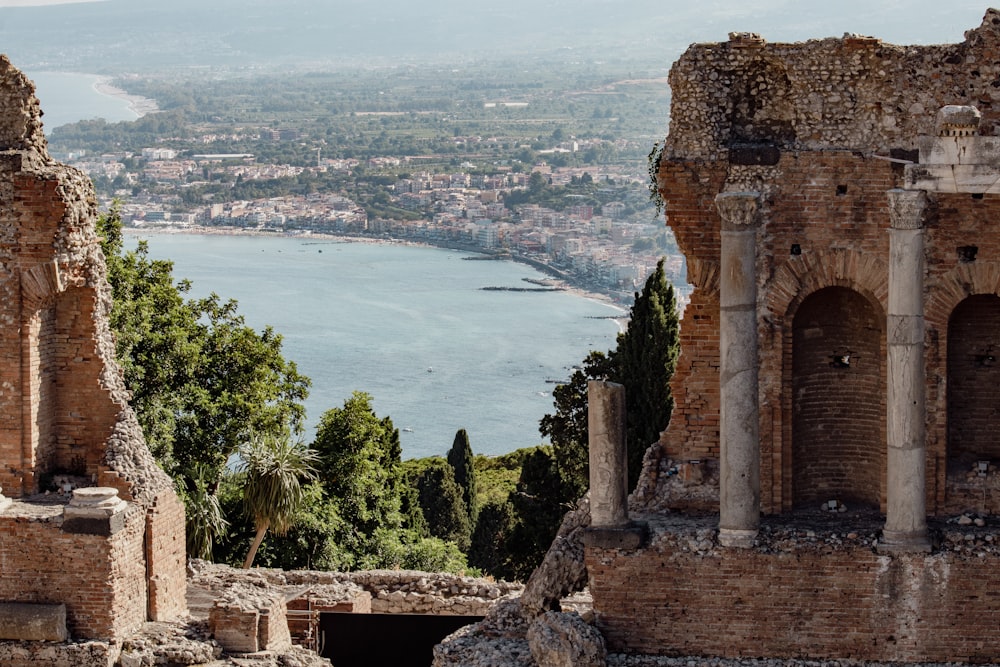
[[609, 248]]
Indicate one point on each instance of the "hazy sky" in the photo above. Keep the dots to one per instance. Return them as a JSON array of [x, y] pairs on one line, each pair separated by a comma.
[[156, 33], [38, 3]]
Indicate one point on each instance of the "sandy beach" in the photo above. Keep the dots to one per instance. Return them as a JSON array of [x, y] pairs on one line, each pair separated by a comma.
[[139, 105]]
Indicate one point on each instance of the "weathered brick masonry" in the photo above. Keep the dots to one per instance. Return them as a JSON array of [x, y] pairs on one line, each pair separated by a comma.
[[800, 596], [843, 195], [64, 418]]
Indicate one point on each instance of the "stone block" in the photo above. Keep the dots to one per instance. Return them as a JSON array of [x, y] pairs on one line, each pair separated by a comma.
[[235, 628], [251, 624], [25, 621], [565, 640]]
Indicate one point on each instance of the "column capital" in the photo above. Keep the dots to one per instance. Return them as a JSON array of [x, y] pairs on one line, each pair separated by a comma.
[[739, 210], [906, 208]]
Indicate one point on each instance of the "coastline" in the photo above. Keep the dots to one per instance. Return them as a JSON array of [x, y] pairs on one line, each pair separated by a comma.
[[137, 104], [199, 230]]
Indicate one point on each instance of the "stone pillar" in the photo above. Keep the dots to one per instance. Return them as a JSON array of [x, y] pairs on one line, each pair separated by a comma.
[[608, 454], [739, 422], [906, 513]]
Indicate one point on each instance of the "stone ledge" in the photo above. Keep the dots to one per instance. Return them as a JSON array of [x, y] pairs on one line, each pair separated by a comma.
[[633, 536]]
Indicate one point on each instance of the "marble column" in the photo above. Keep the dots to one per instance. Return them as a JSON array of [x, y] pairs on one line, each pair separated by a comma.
[[608, 454], [906, 512], [739, 421]]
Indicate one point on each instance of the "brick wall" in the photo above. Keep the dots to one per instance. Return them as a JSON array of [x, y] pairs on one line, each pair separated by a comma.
[[810, 599], [100, 579], [166, 557]]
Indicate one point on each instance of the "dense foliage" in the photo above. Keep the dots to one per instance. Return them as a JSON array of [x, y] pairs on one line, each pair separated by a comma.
[[644, 362]]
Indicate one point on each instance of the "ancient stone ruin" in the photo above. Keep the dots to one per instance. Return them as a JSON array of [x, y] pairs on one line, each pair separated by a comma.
[[91, 531], [837, 204], [829, 484]]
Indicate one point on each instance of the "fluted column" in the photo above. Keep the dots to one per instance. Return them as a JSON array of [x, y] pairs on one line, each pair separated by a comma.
[[906, 512], [739, 422]]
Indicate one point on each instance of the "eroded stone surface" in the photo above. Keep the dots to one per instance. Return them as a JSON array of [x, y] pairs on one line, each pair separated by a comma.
[[565, 640]]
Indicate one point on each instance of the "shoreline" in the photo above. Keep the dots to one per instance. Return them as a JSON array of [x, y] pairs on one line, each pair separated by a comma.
[[137, 104], [199, 230]]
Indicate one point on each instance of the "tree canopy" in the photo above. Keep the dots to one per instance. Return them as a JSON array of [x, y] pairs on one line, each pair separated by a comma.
[[460, 458], [202, 382]]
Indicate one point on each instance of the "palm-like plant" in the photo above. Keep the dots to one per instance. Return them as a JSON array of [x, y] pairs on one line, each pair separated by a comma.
[[273, 469], [203, 514]]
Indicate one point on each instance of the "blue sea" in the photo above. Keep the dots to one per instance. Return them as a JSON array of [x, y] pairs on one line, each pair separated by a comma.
[[409, 325], [68, 97]]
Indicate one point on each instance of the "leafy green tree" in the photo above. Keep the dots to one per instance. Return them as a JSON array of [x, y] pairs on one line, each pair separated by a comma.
[[201, 380], [488, 548], [538, 506], [461, 459], [359, 466], [272, 471]]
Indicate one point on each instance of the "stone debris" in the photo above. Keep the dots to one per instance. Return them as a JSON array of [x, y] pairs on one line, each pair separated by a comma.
[[565, 640], [562, 571], [171, 644]]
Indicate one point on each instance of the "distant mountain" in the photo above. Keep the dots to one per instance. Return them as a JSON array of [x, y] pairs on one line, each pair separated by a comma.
[[128, 35]]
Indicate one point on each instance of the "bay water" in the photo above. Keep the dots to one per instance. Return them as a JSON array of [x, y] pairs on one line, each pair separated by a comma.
[[68, 97], [409, 325]]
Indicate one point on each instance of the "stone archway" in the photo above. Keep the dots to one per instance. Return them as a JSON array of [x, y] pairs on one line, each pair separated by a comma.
[[974, 381], [838, 410]]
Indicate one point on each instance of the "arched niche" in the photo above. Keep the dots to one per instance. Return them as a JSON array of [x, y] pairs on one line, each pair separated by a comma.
[[838, 413]]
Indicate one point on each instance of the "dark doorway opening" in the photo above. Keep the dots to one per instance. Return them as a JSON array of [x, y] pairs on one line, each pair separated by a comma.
[[380, 640], [974, 382]]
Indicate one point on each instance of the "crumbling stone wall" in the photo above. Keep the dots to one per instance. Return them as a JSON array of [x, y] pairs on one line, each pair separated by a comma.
[[64, 414], [821, 129], [388, 591]]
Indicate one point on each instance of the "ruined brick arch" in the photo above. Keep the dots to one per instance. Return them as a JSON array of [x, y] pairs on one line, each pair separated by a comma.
[[814, 467], [963, 281], [802, 275]]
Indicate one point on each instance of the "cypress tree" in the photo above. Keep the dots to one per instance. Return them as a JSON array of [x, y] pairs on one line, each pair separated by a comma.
[[441, 501], [644, 362], [461, 460]]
